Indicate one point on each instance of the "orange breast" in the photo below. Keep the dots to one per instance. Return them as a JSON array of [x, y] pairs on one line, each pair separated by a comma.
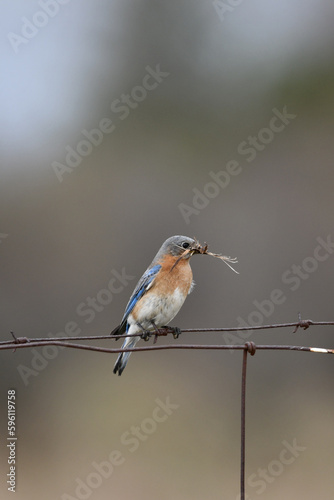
[[165, 297], [180, 276]]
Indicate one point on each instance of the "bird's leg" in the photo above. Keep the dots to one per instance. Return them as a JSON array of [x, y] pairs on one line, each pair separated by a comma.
[[146, 334], [174, 330], [157, 331]]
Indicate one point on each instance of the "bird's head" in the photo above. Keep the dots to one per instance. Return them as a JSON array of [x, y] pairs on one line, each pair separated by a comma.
[[184, 247], [181, 246]]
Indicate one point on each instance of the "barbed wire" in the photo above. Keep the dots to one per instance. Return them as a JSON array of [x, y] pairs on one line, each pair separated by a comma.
[[64, 341], [247, 348]]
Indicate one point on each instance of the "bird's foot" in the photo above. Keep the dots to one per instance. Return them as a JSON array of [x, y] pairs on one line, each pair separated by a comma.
[[172, 329], [177, 332], [146, 335], [157, 332]]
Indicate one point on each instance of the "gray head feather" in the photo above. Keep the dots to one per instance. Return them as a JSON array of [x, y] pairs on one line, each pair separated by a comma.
[[175, 245]]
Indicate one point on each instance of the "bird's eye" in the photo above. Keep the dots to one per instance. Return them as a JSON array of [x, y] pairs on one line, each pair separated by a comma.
[[185, 245]]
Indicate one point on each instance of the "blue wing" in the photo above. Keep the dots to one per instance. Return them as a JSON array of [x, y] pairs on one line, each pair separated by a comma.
[[143, 284]]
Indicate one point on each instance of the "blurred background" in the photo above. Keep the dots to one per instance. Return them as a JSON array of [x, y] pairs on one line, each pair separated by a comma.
[[126, 122]]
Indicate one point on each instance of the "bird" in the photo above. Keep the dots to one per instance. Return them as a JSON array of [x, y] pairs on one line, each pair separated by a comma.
[[158, 295]]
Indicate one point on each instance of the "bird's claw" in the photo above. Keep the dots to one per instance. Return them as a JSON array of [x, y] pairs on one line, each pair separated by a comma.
[[146, 335], [176, 332]]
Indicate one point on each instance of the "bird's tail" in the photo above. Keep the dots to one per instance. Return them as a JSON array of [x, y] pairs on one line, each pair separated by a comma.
[[123, 357]]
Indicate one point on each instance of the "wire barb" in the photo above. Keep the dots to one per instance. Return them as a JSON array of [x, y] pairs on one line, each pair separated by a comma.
[[302, 323], [19, 340]]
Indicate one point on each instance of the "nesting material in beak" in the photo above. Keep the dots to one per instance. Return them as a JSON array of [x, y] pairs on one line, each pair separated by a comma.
[[203, 249]]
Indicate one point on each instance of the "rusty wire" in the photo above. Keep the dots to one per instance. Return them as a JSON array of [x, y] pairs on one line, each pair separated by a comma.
[[12, 344], [247, 348]]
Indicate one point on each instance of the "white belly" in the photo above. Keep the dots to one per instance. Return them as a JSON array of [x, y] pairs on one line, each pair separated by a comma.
[[159, 310]]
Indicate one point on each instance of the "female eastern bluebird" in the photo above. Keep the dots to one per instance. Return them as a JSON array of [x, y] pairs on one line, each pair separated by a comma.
[[159, 293]]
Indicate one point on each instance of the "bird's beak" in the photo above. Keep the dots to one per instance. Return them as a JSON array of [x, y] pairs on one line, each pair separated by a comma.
[[193, 251], [198, 248]]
